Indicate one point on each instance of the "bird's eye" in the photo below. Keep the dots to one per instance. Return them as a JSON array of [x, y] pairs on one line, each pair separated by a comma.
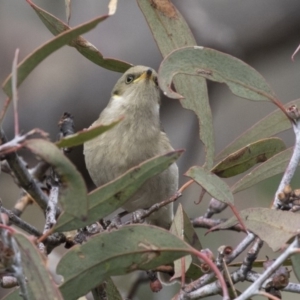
[[129, 79]]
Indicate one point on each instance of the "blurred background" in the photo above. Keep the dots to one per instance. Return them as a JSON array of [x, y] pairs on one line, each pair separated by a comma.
[[263, 33]]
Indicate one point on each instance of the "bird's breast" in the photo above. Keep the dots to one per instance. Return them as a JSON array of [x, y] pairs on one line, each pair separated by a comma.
[[119, 149]]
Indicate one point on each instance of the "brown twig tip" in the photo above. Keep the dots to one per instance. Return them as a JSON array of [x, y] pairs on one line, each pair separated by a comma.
[[295, 52], [203, 192], [293, 112], [185, 186], [284, 110]]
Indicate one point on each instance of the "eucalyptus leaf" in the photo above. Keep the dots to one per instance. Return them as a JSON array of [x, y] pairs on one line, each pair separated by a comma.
[[170, 32], [296, 265], [26, 66], [68, 10], [260, 263], [275, 227], [182, 227], [273, 166], [109, 197], [109, 288], [73, 198], [40, 283], [272, 124], [130, 248], [177, 228], [83, 136], [112, 291], [245, 158], [215, 186], [88, 50], [242, 80]]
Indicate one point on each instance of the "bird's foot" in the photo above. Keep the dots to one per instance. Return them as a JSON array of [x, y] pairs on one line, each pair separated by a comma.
[[138, 216]]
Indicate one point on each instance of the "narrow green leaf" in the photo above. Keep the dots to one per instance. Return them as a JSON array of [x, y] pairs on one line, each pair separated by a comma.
[[109, 197], [108, 288], [130, 248], [194, 272], [260, 263], [73, 198], [32, 60], [272, 124], [182, 227], [215, 186], [39, 280], [275, 165], [177, 228], [275, 227], [182, 222], [83, 136], [15, 295], [245, 158], [242, 80], [296, 265], [170, 32], [68, 10], [88, 50], [112, 291]]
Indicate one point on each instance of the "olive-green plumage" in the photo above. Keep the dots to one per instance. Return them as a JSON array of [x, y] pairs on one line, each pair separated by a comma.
[[137, 138]]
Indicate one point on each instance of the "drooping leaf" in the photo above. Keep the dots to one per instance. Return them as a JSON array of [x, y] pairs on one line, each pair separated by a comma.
[[40, 283], [15, 295], [73, 198], [112, 291], [83, 136], [88, 50], [130, 248], [194, 272], [107, 288], [272, 124], [275, 165], [109, 197], [14, 76], [68, 10], [32, 60], [182, 227], [215, 186], [296, 265], [170, 32], [245, 158], [275, 227], [242, 80], [182, 221], [232, 294]]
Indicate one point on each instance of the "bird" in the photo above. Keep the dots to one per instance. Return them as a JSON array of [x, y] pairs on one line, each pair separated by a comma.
[[136, 96]]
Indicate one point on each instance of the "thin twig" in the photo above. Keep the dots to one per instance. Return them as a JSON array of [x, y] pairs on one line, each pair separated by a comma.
[[240, 247], [185, 186], [21, 223], [24, 178], [202, 222], [255, 287], [14, 89], [294, 161], [50, 212], [147, 212]]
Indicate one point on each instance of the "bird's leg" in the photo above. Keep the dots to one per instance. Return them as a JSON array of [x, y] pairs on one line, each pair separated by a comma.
[[138, 216]]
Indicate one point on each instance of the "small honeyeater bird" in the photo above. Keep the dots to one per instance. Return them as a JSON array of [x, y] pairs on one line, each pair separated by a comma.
[[136, 138]]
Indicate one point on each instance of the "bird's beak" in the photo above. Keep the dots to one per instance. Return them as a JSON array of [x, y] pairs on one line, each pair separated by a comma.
[[146, 75]]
